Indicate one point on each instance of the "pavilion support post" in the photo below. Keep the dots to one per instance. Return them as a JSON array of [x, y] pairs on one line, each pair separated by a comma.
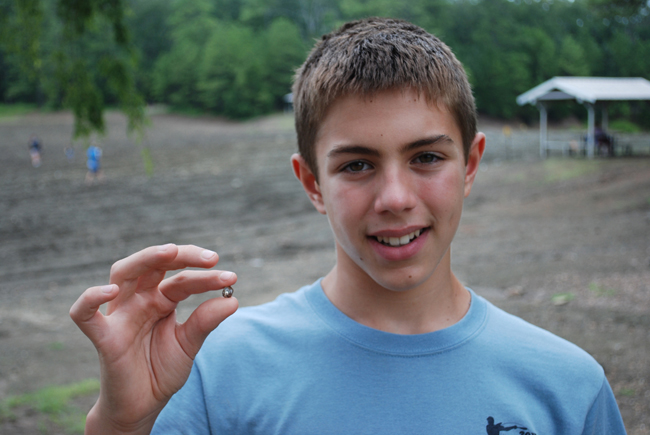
[[543, 128], [591, 129]]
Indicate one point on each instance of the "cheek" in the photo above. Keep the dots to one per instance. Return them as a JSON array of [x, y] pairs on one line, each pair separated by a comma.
[[347, 200], [444, 196], [346, 208]]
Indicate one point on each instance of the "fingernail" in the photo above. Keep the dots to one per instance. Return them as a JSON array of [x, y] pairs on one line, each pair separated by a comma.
[[227, 276], [108, 288], [208, 254], [163, 248]]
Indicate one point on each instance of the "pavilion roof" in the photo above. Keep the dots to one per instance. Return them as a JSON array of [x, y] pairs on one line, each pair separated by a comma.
[[588, 89]]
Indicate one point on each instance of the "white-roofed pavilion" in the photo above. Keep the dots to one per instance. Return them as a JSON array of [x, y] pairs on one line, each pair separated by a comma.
[[589, 91]]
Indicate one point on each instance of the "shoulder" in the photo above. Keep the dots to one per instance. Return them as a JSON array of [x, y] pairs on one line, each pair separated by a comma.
[[528, 336], [536, 351]]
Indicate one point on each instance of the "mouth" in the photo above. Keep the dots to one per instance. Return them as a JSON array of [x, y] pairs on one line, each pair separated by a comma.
[[399, 241]]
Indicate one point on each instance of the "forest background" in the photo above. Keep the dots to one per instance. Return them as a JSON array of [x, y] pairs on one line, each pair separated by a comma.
[[236, 58]]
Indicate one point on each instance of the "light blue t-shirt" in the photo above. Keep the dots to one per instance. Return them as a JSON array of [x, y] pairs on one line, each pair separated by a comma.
[[298, 365]]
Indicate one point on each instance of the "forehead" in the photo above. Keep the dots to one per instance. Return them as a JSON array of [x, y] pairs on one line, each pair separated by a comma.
[[383, 120]]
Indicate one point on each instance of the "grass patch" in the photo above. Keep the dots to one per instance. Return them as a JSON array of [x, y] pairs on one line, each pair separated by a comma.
[[57, 345], [599, 290], [566, 169], [562, 298], [54, 403], [629, 392], [18, 109]]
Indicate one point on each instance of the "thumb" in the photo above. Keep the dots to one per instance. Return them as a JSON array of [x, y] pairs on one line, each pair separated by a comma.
[[202, 321], [85, 311]]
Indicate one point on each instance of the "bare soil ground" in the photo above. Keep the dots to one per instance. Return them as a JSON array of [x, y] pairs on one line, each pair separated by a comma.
[[563, 242]]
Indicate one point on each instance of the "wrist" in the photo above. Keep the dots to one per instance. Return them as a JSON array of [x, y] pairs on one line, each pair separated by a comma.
[[100, 422]]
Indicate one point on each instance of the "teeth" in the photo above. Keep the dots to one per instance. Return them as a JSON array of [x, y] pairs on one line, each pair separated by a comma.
[[399, 241]]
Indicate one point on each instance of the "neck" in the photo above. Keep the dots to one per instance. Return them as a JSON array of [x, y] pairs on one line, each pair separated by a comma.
[[437, 303]]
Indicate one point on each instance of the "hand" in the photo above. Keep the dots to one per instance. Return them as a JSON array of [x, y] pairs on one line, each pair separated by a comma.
[[145, 355]]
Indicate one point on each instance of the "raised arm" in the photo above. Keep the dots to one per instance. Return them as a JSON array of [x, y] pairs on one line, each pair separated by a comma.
[[145, 355]]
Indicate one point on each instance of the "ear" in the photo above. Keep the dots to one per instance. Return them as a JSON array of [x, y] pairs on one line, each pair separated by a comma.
[[308, 181], [473, 159]]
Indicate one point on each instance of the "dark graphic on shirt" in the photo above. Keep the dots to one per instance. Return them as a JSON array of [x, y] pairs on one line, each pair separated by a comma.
[[496, 429]]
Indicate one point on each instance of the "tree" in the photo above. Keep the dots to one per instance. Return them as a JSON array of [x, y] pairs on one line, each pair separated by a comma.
[[313, 17], [572, 58], [151, 32], [283, 53], [176, 73], [231, 73], [68, 63]]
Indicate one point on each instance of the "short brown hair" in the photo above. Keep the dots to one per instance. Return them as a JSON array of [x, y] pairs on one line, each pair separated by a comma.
[[375, 54]]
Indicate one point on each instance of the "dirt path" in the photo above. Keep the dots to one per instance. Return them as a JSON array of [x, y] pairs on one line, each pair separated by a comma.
[[534, 233]]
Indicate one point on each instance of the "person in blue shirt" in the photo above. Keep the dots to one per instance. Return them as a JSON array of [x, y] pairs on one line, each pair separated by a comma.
[[389, 341], [93, 162]]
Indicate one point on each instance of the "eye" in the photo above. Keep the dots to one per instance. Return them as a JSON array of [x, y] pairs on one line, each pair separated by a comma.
[[426, 158], [356, 166]]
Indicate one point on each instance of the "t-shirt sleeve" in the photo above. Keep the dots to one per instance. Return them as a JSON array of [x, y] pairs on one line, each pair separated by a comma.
[[186, 412], [604, 418]]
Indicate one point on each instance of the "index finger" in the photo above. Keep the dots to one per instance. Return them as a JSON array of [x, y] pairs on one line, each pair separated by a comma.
[[162, 258]]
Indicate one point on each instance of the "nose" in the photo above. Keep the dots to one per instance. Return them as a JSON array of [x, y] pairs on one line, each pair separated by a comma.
[[396, 191]]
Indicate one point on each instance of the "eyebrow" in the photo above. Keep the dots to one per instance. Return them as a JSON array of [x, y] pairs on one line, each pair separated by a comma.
[[363, 150], [353, 149], [431, 140]]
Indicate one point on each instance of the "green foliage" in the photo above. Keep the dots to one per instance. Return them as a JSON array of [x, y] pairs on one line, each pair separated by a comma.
[[284, 51], [148, 161], [236, 57], [18, 109], [150, 30], [619, 7], [313, 17], [70, 54], [25, 45], [226, 67], [572, 58], [20, 50], [176, 73], [624, 126], [246, 73], [231, 79]]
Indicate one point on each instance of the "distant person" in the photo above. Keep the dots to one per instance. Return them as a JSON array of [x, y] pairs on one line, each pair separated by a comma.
[[94, 155], [35, 149], [389, 341], [604, 142]]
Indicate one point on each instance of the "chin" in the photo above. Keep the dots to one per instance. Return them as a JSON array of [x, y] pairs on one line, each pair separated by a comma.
[[402, 281]]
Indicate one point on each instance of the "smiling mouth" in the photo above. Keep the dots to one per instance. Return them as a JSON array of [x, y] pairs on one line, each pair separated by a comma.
[[399, 241]]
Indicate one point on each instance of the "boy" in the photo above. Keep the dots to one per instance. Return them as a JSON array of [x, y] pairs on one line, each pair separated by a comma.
[[389, 341]]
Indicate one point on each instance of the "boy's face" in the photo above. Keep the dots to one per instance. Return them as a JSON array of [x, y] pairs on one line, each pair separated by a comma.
[[392, 179]]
